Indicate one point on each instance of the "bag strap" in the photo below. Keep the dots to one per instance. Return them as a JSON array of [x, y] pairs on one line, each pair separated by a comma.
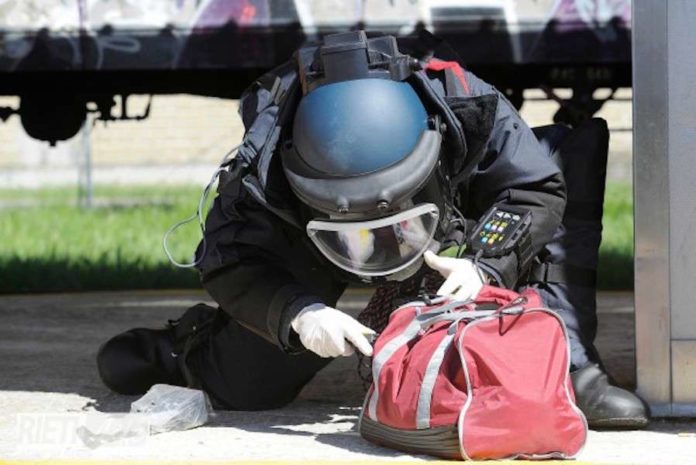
[[420, 323], [425, 396], [411, 332], [469, 315], [380, 358]]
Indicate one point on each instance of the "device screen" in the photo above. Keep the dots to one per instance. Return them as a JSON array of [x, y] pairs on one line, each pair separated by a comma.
[[497, 229]]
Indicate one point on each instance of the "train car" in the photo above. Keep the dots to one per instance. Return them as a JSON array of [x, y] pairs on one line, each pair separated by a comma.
[[66, 58]]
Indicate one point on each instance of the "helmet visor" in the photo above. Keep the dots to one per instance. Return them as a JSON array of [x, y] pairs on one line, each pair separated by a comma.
[[377, 247]]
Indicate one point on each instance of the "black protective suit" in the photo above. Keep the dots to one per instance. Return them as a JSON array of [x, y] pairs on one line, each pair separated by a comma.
[[262, 270]]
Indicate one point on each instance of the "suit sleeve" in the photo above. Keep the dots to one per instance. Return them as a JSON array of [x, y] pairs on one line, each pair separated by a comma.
[[258, 268], [516, 170]]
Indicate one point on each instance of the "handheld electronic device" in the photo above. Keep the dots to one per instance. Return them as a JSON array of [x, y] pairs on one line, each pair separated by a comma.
[[503, 229]]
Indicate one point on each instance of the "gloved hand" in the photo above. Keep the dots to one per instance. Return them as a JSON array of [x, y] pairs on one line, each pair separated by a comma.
[[330, 333], [462, 279]]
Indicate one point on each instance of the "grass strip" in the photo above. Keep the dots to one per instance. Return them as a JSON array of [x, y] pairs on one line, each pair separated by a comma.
[[50, 244]]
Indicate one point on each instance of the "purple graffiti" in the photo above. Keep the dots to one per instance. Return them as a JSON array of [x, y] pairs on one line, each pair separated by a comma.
[[217, 13], [575, 14]]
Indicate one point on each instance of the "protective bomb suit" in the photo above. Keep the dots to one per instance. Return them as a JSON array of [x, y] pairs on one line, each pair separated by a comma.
[[358, 161]]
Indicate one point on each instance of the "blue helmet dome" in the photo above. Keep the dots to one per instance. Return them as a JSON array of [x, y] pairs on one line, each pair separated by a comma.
[[359, 126]]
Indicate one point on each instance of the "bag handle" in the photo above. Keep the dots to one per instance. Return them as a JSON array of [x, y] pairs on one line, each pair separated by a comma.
[[469, 315]]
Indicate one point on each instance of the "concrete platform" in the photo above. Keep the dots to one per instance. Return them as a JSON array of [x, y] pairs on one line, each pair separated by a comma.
[[49, 386]]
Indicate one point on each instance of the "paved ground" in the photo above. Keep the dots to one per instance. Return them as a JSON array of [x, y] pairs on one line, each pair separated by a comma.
[[49, 385]]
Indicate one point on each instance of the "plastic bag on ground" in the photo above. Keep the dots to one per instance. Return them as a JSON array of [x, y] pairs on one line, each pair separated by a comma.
[[173, 408]]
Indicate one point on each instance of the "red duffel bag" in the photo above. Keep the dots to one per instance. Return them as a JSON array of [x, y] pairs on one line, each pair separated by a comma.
[[487, 379]]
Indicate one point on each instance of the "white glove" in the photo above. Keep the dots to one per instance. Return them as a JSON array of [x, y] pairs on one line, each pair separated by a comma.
[[462, 278], [331, 333]]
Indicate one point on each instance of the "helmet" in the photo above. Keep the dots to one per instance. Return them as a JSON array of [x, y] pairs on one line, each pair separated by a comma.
[[364, 156]]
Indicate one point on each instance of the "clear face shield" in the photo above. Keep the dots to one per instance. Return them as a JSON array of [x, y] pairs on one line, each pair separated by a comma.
[[380, 247]]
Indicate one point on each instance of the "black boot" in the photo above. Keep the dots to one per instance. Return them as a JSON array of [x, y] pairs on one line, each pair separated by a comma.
[[605, 405], [132, 362]]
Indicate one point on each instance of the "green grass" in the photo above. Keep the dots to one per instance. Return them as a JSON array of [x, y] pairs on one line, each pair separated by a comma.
[[616, 252], [50, 244], [47, 243]]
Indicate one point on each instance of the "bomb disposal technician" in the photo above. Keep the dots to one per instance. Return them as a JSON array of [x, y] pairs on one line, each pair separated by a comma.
[[366, 161]]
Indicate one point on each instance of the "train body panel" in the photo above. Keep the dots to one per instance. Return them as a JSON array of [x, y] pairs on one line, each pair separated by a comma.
[[221, 34], [91, 50]]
